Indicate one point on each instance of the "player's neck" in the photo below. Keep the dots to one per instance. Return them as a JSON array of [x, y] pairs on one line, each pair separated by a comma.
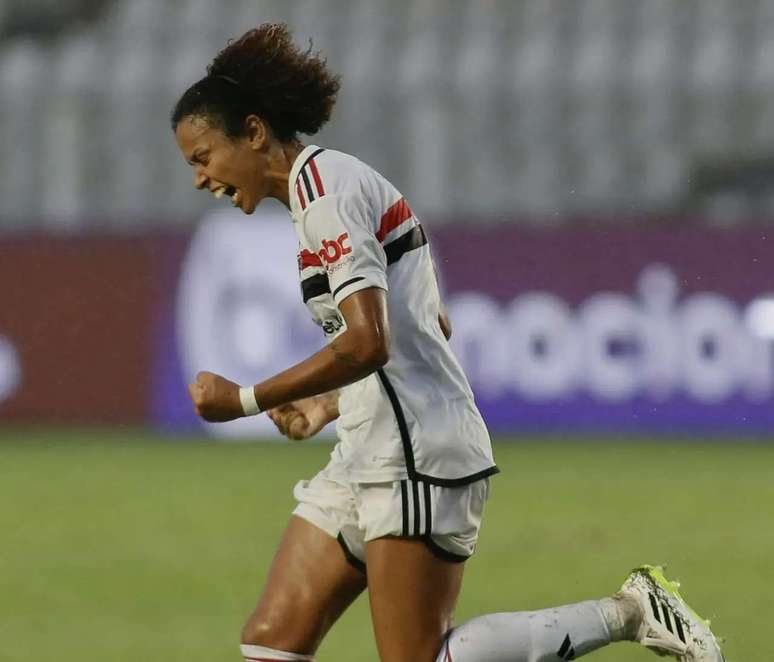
[[278, 171]]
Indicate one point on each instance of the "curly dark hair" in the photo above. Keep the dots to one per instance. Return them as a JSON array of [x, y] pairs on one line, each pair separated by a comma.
[[263, 73]]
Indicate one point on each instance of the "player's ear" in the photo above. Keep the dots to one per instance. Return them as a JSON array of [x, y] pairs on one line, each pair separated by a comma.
[[257, 132]]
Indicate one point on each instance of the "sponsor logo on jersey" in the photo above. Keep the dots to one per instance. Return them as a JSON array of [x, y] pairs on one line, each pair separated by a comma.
[[333, 251], [308, 259]]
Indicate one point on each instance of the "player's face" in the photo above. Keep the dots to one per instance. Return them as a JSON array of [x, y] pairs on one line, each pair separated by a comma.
[[230, 167]]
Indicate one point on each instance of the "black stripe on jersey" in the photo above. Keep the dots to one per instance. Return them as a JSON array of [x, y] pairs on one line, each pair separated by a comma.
[[405, 439], [307, 186], [458, 482], [306, 180], [345, 283], [408, 451], [414, 238], [311, 156], [353, 560], [314, 286]]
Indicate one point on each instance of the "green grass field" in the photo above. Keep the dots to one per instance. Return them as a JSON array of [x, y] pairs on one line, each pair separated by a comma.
[[123, 547]]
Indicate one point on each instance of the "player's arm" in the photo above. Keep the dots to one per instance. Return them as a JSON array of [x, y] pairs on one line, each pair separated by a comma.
[[357, 352]]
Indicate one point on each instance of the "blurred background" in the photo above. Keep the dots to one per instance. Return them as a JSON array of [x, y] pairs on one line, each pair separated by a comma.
[[597, 179], [521, 111]]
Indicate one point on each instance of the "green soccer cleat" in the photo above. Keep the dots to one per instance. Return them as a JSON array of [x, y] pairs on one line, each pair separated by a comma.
[[669, 626]]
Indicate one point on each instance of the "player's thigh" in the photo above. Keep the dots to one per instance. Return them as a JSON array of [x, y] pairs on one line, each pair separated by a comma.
[[413, 594], [310, 584]]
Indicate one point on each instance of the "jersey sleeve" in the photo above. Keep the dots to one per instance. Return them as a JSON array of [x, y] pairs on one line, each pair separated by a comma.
[[342, 231]]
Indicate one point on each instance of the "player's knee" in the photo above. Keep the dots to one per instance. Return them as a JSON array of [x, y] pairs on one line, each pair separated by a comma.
[[278, 628]]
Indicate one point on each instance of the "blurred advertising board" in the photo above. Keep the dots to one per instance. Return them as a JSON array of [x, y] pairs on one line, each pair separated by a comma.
[[77, 320], [620, 329], [581, 330]]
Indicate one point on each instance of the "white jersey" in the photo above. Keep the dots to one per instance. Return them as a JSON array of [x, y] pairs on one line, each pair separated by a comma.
[[415, 417]]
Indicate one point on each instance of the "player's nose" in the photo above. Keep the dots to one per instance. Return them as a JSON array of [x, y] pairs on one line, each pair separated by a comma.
[[200, 180]]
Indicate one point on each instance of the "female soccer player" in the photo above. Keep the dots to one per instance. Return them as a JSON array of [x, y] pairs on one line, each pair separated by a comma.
[[398, 508]]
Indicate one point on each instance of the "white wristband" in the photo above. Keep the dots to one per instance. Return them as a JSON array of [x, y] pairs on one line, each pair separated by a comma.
[[249, 403]]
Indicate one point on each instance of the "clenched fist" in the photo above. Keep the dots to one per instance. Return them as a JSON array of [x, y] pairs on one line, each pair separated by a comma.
[[215, 398], [305, 418]]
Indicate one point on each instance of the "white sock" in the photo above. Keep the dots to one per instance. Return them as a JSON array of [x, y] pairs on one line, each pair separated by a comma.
[[548, 635], [262, 654], [622, 615]]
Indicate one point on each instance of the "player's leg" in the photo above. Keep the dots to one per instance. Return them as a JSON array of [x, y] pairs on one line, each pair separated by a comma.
[[309, 585], [417, 536], [413, 594], [648, 609], [560, 633], [414, 578], [311, 580]]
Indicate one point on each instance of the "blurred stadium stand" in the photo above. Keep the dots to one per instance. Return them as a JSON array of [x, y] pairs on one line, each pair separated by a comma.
[[517, 109]]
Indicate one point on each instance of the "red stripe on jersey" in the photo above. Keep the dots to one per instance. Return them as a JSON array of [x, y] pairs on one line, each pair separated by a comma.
[[393, 217], [308, 259], [300, 194], [316, 175]]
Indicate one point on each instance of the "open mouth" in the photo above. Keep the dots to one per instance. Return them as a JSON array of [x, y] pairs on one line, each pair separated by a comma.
[[229, 191]]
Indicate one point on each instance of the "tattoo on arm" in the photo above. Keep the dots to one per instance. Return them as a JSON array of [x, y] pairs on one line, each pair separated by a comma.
[[343, 355]]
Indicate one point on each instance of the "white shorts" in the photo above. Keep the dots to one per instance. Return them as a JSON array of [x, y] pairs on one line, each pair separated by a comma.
[[447, 519]]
